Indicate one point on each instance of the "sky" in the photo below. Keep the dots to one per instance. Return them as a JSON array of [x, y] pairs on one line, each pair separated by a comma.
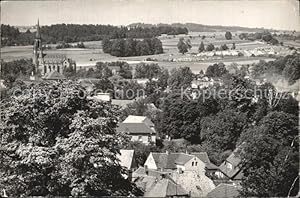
[[276, 14]]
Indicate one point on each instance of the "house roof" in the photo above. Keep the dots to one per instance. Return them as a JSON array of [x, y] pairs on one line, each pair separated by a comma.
[[126, 158], [54, 75], [165, 188], [204, 158], [141, 171], [135, 119], [235, 161], [135, 128], [121, 103], [224, 190], [169, 161]]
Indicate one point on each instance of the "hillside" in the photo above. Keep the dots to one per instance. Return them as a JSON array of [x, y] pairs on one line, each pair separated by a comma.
[[194, 27]]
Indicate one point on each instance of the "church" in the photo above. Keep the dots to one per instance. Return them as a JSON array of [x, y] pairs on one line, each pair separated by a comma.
[[50, 66]]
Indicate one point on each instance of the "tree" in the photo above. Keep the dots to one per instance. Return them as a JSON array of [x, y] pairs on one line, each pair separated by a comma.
[[201, 47], [224, 47], [210, 47], [118, 48], [184, 45], [157, 46], [142, 151], [180, 77], [130, 47], [143, 48], [102, 71], [228, 35], [148, 71], [292, 70], [271, 157], [233, 46], [222, 131], [216, 70], [58, 143]]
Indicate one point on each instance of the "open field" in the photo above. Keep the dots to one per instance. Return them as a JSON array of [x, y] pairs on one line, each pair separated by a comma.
[[93, 53]]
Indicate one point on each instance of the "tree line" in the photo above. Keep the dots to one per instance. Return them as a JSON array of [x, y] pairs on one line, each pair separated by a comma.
[[75, 33], [264, 36], [132, 47]]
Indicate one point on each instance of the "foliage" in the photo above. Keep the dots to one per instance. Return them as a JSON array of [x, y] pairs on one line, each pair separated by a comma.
[[291, 70], [233, 46], [228, 35], [148, 71], [221, 131], [56, 142], [271, 156], [201, 47], [131, 47], [224, 47], [180, 77], [12, 70], [287, 66], [70, 33], [141, 151], [210, 47], [184, 45], [216, 70]]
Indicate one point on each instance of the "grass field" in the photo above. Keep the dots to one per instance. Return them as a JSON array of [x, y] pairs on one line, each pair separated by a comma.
[[93, 52]]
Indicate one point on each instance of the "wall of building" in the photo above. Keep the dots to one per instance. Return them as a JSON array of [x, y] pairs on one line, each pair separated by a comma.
[[143, 138], [150, 163]]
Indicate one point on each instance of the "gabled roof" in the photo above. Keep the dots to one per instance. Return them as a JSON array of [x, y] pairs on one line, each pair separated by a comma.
[[135, 119], [235, 161], [204, 158], [135, 128], [165, 188], [126, 158], [225, 190], [169, 161], [54, 75]]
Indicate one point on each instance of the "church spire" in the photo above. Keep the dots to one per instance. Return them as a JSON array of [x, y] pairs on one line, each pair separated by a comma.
[[38, 34]]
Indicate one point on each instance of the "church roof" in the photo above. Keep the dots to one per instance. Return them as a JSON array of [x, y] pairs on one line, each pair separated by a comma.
[[38, 33]]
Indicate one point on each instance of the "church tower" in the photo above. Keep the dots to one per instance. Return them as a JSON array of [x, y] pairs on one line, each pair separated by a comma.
[[37, 49]]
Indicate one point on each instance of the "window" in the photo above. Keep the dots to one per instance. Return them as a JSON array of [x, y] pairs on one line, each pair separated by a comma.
[[140, 138], [196, 163], [192, 163]]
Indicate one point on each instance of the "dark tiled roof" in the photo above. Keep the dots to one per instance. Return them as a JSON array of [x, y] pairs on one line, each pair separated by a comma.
[[169, 161], [135, 128], [204, 158], [165, 188], [235, 161], [224, 190]]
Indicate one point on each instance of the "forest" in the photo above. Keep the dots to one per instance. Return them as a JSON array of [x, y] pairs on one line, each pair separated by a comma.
[[69, 33]]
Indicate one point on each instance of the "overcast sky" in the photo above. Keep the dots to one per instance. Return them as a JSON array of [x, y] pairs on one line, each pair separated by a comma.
[[277, 14]]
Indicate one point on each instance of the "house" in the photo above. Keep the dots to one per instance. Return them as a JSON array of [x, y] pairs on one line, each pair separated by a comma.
[[211, 169], [224, 190], [186, 169], [115, 69], [139, 119], [127, 159], [105, 97], [231, 167], [160, 185], [140, 128], [174, 161]]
